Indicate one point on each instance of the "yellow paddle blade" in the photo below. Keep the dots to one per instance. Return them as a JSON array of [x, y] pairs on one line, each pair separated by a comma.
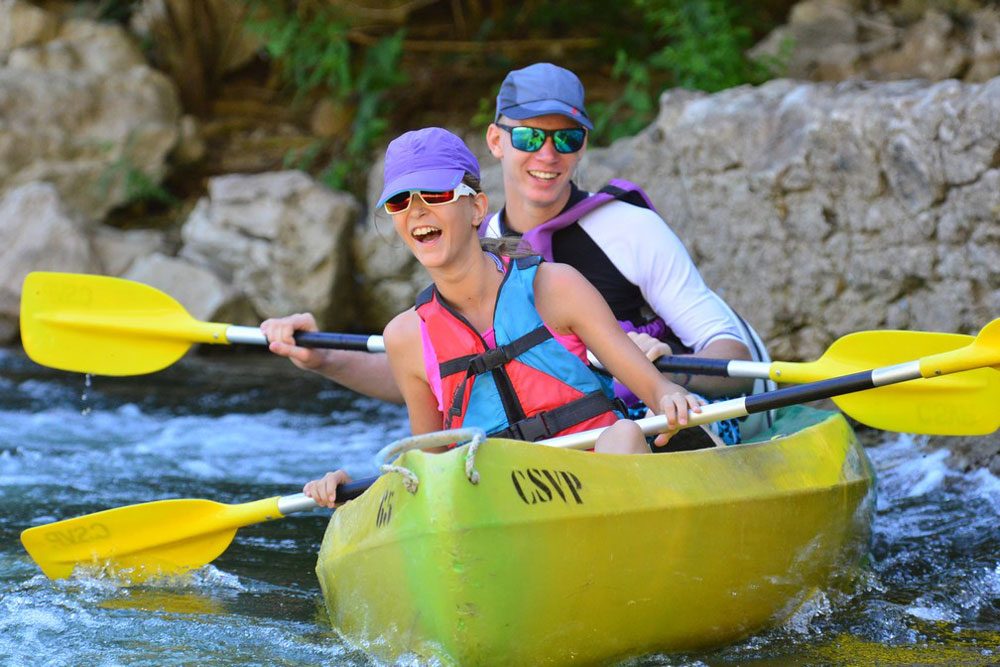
[[966, 403], [956, 404], [106, 326], [865, 350], [134, 543]]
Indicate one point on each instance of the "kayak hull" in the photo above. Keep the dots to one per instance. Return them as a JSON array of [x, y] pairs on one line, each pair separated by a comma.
[[566, 557]]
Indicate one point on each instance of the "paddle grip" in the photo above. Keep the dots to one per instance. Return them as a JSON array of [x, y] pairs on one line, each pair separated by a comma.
[[693, 365], [352, 490], [339, 341]]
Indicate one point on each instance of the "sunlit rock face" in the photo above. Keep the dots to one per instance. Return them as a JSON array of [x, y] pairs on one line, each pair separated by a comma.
[[81, 109], [37, 233], [834, 40], [821, 209], [281, 239]]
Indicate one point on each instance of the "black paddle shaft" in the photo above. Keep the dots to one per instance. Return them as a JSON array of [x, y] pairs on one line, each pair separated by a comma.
[[363, 342], [352, 490], [333, 341], [694, 365]]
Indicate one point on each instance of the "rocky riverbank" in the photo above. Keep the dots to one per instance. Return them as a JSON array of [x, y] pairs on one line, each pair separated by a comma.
[[815, 208]]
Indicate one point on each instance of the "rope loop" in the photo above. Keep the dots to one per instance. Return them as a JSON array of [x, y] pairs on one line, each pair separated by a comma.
[[410, 481], [471, 473], [457, 436]]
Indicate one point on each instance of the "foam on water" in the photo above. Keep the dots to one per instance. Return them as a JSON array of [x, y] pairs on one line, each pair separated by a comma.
[[933, 577]]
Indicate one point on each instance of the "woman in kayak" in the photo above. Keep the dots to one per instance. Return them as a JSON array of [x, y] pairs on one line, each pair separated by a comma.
[[499, 340]]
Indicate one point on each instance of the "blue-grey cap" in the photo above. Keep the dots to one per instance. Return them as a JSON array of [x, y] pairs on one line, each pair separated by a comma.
[[539, 90]]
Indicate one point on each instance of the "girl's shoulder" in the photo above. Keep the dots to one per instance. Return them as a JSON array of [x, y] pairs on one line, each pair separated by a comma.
[[402, 328], [555, 275]]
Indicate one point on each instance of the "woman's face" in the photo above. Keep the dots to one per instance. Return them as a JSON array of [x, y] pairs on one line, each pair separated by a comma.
[[437, 235]]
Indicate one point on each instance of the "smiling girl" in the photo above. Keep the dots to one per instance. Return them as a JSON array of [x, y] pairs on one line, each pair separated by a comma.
[[499, 340]]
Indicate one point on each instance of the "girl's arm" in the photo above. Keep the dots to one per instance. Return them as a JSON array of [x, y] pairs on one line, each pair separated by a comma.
[[404, 348], [365, 372], [405, 354], [570, 304]]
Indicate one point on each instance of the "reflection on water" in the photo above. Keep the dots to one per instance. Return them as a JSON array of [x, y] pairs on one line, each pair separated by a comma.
[[235, 428]]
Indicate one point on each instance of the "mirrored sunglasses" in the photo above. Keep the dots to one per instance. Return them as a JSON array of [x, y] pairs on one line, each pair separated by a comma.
[[531, 139], [400, 202]]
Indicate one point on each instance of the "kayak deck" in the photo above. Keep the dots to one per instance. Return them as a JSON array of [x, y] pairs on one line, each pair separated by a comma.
[[559, 557]]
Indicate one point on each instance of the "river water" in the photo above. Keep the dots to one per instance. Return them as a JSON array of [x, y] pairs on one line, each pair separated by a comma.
[[238, 427]]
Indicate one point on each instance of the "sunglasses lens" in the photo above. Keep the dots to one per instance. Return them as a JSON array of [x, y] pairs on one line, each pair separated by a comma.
[[434, 198], [528, 139], [398, 203], [568, 141]]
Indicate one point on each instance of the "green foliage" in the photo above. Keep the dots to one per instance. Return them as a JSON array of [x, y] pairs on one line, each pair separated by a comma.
[[630, 111], [323, 48], [699, 45], [705, 44], [313, 52]]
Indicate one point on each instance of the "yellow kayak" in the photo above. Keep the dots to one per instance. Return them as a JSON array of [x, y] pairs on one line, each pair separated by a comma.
[[565, 557]]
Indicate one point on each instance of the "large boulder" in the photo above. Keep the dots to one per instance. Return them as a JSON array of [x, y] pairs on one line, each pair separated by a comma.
[[281, 239], [38, 235], [833, 40], [80, 108], [820, 209]]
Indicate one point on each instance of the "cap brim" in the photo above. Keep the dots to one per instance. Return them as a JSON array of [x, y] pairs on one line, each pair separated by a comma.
[[544, 108], [432, 180]]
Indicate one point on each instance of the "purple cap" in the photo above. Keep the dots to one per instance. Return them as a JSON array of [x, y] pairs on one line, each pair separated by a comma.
[[539, 90], [431, 159]]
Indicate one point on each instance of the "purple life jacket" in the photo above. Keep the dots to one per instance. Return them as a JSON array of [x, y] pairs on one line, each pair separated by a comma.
[[540, 238]]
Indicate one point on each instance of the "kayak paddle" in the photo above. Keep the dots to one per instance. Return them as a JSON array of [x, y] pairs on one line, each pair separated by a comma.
[[172, 536], [163, 537], [112, 326], [982, 353]]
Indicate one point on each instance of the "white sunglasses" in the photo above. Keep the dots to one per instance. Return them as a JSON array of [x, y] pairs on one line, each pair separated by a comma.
[[399, 203]]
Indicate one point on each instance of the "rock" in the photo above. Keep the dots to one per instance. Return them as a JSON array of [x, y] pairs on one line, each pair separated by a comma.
[[83, 112], [190, 147], [970, 453], [984, 45], [281, 238], [833, 40], [38, 235], [23, 24], [820, 209], [203, 294], [117, 249]]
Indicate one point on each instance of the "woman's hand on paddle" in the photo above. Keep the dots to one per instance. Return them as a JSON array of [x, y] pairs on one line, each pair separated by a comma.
[[324, 490], [280, 332], [675, 406], [653, 348]]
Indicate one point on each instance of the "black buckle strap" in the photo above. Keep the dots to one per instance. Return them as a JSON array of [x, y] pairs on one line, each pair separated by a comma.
[[456, 365], [547, 424], [504, 354], [488, 360], [531, 429]]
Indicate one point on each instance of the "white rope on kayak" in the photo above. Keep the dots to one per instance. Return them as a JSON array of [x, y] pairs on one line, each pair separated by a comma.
[[470, 457], [458, 436], [410, 481]]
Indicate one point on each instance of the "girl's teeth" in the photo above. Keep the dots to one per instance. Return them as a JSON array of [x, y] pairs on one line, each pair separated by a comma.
[[421, 232], [547, 175]]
